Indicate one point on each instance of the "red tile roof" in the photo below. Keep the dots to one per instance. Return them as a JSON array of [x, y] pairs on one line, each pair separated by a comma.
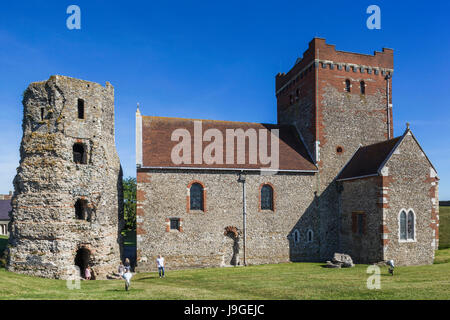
[[157, 144]]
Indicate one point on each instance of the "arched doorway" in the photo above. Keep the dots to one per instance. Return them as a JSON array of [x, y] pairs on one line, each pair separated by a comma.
[[82, 259], [233, 233]]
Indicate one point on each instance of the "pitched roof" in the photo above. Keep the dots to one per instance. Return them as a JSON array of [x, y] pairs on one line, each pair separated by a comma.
[[5, 208], [368, 159], [157, 144]]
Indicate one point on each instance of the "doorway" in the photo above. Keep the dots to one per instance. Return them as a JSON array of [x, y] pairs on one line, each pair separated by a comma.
[[82, 259]]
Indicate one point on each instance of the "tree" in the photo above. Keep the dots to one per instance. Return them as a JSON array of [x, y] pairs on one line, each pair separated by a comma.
[[129, 203]]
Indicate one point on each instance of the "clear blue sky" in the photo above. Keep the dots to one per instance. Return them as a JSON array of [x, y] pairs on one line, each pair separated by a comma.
[[218, 59]]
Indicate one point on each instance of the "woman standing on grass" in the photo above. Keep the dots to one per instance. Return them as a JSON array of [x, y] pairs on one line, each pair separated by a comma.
[[87, 273]]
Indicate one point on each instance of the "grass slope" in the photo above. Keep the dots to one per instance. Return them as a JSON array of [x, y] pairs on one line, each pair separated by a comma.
[[281, 281], [444, 227]]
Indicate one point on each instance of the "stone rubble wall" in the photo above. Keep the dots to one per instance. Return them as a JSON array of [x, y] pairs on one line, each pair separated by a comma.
[[201, 241], [44, 232]]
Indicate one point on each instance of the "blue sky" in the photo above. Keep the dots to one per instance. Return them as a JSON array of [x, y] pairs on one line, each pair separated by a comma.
[[218, 60]]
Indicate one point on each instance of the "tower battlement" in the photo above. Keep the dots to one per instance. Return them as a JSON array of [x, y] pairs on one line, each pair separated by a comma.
[[321, 54]]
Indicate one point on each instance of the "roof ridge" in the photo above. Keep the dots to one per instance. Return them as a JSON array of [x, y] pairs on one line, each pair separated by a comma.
[[212, 120]]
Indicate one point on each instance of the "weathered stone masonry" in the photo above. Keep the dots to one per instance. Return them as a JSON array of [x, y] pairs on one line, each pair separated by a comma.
[[68, 188]]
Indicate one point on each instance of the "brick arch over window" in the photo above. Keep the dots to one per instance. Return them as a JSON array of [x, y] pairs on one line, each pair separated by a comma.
[[203, 196], [272, 188]]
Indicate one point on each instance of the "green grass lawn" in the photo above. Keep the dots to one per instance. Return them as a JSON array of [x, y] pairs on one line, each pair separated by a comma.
[[281, 281], [444, 227]]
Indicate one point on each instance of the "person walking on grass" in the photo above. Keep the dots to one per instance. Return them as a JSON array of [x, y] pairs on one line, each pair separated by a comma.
[[160, 265], [127, 276]]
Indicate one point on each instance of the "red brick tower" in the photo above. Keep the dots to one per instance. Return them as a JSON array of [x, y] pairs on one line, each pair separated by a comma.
[[337, 100]]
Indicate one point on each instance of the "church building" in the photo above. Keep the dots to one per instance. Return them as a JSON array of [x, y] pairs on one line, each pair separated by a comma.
[[330, 176]]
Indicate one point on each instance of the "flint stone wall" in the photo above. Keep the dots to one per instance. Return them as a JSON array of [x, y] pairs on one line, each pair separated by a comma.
[[201, 242], [411, 183]]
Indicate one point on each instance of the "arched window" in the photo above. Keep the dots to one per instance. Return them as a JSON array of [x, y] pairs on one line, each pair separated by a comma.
[[347, 85], [266, 197], [80, 109], [79, 156], [403, 225], [310, 236], [362, 85], [296, 236], [407, 225], [196, 197], [410, 225]]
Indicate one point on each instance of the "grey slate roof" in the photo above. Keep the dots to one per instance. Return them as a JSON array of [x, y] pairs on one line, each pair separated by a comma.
[[5, 207]]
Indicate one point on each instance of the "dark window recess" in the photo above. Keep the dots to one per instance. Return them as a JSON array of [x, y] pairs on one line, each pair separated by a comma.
[[363, 87], [175, 224], [80, 109], [296, 236], [196, 197], [42, 114], [359, 223], [79, 155], [410, 225], [80, 209], [347, 85], [266, 197], [403, 225]]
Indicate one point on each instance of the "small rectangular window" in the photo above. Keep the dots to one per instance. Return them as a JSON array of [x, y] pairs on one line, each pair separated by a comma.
[[175, 224], [359, 222], [80, 109]]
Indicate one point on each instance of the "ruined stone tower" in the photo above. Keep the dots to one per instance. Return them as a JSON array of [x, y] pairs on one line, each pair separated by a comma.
[[67, 203]]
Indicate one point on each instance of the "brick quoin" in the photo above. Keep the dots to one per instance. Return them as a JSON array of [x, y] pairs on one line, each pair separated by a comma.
[[140, 195], [143, 177]]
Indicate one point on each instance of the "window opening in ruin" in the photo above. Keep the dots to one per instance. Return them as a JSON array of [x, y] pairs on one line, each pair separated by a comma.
[[80, 209], [80, 109], [79, 155], [363, 87], [42, 114]]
